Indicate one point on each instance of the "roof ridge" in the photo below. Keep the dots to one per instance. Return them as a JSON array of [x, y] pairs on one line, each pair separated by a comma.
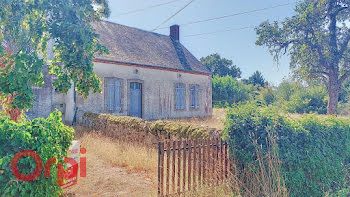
[[151, 32]]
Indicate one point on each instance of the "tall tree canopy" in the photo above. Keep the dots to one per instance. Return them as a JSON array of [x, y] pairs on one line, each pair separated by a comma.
[[26, 28], [256, 79], [317, 40], [220, 66]]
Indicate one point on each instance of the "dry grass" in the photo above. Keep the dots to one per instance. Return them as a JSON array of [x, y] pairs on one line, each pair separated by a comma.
[[223, 190], [215, 121], [130, 156], [266, 179], [115, 168]]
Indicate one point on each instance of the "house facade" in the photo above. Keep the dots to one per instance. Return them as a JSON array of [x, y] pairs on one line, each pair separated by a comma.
[[146, 75]]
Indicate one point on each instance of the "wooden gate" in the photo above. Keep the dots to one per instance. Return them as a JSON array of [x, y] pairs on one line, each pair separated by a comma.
[[187, 165]]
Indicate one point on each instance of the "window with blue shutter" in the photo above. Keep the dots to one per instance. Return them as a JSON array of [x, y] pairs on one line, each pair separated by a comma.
[[180, 96], [113, 95], [194, 96]]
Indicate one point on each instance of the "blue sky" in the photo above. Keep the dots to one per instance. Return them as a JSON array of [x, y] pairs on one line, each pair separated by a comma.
[[238, 45]]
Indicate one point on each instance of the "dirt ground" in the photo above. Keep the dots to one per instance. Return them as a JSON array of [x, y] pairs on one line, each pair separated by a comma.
[[105, 179]]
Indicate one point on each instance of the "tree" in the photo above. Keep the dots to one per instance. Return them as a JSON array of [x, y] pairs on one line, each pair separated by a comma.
[[256, 79], [229, 90], [221, 66], [26, 28], [317, 40]]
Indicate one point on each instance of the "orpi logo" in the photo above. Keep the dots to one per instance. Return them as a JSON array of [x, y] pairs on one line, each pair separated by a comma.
[[70, 175]]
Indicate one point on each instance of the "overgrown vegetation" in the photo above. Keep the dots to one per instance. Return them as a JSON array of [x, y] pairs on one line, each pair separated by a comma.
[[160, 128], [47, 137], [317, 41], [228, 90], [57, 34], [291, 96], [314, 151]]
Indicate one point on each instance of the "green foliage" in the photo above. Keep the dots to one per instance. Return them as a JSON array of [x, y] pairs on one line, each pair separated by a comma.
[[227, 90], [316, 39], [159, 128], [267, 96], [314, 152], [344, 96], [257, 79], [47, 137], [221, 66], [26, 30], [294, 97]]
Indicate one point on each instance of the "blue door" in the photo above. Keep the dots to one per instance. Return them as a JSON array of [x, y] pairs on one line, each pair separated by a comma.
[[135, 104]]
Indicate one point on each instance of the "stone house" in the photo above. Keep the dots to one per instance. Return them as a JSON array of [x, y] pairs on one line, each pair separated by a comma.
[[146, 75]]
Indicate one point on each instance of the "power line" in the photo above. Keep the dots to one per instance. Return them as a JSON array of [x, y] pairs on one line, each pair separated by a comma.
[[174, 14], [220, 31], [146, 8], [230, 15]]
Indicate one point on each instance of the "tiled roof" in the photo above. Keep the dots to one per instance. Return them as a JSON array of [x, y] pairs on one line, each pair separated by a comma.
[[136, 46]]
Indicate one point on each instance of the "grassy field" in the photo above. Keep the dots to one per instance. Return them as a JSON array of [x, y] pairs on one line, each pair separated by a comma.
[[216, 121]]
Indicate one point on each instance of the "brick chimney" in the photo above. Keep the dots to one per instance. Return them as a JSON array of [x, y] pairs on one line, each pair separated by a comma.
[[175, 32]]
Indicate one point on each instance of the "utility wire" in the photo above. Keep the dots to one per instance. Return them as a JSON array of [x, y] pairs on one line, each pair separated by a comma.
[[146, 8], [220, 31], [172, 16], [230, 15]]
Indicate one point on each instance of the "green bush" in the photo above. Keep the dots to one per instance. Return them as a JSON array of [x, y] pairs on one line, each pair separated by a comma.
[[228, 90], [267, 96], [314, 151], [294, 97], [48, 137]]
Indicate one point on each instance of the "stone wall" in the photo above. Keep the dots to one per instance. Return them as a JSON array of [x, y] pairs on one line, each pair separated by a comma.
[[143, 132]]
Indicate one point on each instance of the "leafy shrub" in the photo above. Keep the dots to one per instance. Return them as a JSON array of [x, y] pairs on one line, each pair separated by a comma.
[[314, 152], [267, 96], [227, 90], [294, 97], [158, 128], [47, 137]]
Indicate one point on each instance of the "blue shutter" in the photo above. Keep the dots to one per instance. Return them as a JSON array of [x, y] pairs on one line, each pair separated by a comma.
[[192, 97], [117, 95], [180, 97], [197, 96], [110, 95], [177, 97]]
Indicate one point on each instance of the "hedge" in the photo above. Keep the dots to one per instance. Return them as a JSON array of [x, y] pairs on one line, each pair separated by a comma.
[[314, 151], [160, 128], [47, 137]]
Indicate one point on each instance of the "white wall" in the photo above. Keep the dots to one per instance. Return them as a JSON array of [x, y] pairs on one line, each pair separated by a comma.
[[158, 92]]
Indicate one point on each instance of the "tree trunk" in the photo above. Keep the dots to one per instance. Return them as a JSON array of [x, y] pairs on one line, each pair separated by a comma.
[[333, 95]]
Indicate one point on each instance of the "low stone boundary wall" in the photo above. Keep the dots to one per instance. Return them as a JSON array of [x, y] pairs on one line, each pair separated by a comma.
[[137, 130]]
